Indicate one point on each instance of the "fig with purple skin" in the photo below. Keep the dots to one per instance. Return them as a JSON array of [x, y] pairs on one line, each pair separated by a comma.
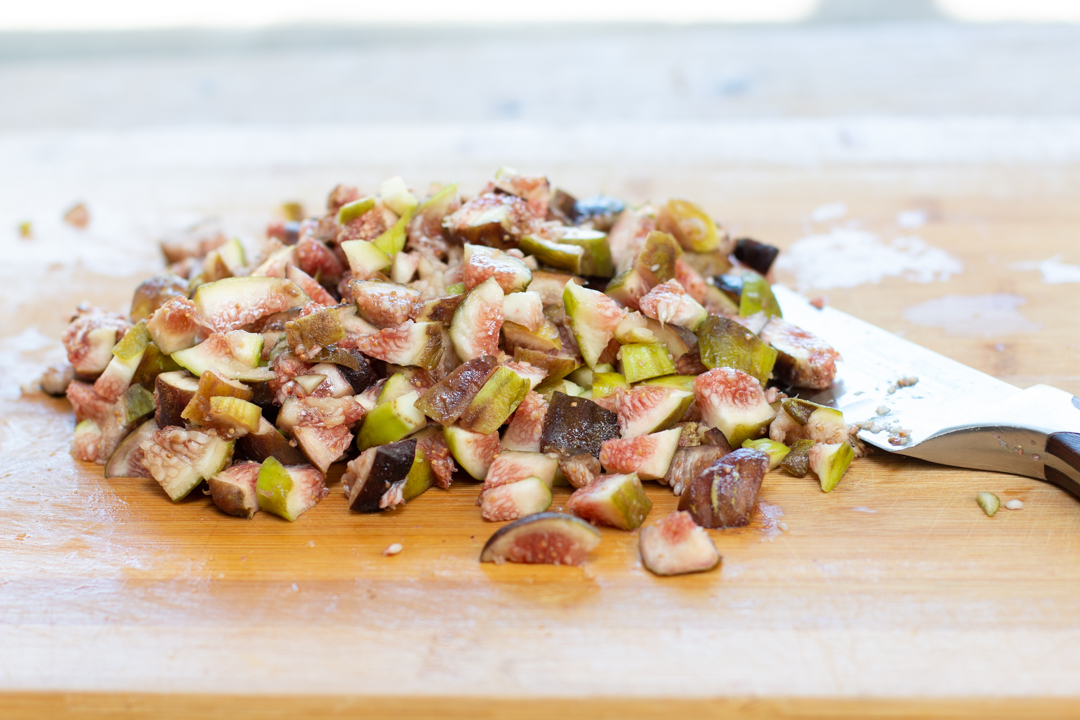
[[689, 463], [173, 391], [756, 255], [676, 546], [550, 538], [447, 399], [615, 500], [575, 425], [233, 489], [724, 495], [267, 441]]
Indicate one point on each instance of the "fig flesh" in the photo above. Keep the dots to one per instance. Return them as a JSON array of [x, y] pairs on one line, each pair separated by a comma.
[[616, 500], [233, 489], [550, 538], [676, 546]]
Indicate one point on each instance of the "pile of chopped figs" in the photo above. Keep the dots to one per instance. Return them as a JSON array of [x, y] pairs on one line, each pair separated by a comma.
[[521, 338]]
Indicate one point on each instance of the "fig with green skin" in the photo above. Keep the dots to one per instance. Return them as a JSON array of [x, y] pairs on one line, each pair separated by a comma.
[[642, 361], [181, 459], [475, 328], [678, 382], [267, 441], [495, 402], [615, 500], [830, 462], [627, 288], [724, 495], [233, 489], [289, 492], [395, 194], [650, 408], [803, 360], [127, 355], [656, 261], [511, 466], [232, 303], [127, 459], [364, 258], [396, 386], [756, 255], [155, 292], [757, 296], [726, 343], [689, 224], [309, 334], [212, 385], [480, 263], [393, 240], [233, 417], [676, 546], [525, 309], [549, 538], [575, 425], [391, 421], [447, 399], [557, 367], [86, 444], [410, 343], [606, 384], [669, 304], [173, 392], [234, 355], [593, 319], [689, 462], [733, 402], [134, 405], [595, 259], [649, 456], [775, 450], [797, 461], [153, 363], [473, 451], [516, 500], [550, 286], [352, 210]]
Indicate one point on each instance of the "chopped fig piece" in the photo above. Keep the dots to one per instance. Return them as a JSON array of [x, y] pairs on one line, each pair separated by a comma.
[[440, 309], [447, 399], [396, 385], [689, 462], [758, 256], [496, 401], [803, 360], [289, 492], [605, 384], [234, 354], [647, 409], [754, 295], [797, 461], [494, 220], [90, 339], [391, 421], [113, 420], [511, 466], [516, 500], [175, 326], [593, 318], [385, 304], [830, 462], [668, 303], [551, 538], [473, 451], [545, 339], [550, 286], [676, 546], [127, 354], [323, 446], [232, 303], [776, 451], [411, 343], [173, 391], [86, 445], [475, 328], [317, 260], [649, 456], [581, 469], [726, 343], [210, 385], [232, 417], [309, 334], [432, 444], [733, 402], [56, 378], [311, 286], [481, 263], [818, 423], [155, 292], [181, 459], [233, 489], [642, 361], [694, 229], [615, 500], [267, 441], [724, 495], [575, 425], [527, 424], [369, 477], [525, 309], [365, 259], [127, 459]]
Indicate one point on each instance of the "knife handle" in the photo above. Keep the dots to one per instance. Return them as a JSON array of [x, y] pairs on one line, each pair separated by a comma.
[[1065, 446]]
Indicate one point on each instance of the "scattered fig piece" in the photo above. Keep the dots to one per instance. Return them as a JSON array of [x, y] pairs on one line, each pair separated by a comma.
[[233, 489], [649, 456], [615, 500], [724, 495], [516, 500], [550, 538], [689, 463], [676, 546], [756, 255], [803, 360]]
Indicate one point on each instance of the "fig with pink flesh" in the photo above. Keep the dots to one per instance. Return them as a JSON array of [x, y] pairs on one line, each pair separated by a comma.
[[615, 500], [676, 546], [551, 538]]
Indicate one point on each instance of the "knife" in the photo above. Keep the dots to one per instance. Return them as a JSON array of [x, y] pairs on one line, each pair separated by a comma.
[[951, 414]]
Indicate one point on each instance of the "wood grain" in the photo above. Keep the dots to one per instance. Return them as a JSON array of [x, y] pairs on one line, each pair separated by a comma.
[[894, 595]]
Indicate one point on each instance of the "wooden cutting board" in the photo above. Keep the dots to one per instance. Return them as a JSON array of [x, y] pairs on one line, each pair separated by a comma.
[[892, 595]]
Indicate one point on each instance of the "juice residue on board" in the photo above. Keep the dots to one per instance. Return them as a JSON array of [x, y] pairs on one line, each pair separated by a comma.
[[1054, 272], [768, 516], [973, 315]]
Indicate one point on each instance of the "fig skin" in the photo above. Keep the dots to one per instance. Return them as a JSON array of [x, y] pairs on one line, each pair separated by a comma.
[[447, 399], [575, 425], [233, 489], [548, 537], [756, 255], [724, 495]]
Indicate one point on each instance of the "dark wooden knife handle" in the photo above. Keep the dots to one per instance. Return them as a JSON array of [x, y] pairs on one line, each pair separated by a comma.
[[1065, 446]]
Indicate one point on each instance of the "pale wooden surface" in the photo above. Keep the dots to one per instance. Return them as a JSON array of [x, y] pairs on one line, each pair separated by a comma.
[[894, 594]]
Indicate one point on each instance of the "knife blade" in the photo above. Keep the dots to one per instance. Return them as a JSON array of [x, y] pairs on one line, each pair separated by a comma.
[[911, 401]]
